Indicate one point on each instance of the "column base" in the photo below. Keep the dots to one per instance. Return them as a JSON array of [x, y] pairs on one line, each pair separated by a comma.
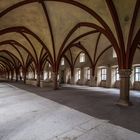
[[124, 103], [38, 85], [55, 88]]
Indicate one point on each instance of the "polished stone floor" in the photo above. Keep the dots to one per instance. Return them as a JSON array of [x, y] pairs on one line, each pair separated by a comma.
[[66, 114]]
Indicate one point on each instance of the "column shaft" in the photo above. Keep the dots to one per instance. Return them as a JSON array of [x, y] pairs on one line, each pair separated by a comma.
[[55, 83], [124, 87]]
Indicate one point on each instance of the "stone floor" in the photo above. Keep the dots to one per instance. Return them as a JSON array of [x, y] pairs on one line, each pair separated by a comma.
[[79, 113]]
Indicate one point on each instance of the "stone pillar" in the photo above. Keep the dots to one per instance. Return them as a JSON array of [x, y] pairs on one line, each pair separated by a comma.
[[24, 71], [93, 81], [124, 87], [38, 75], [17, 74], [8, 75], [55, 83], [34, 74], [72, 80], [16, 77], [42, 75], [38, 80], [12, 75], [93, 78]]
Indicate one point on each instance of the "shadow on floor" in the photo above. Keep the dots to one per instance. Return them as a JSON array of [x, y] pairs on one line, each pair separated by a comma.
[[95, 103]]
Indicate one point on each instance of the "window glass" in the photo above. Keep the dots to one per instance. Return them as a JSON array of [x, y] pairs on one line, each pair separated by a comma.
[[50, 75], [82, 57], [88, 74], [78, 75], [103, 74], [117, 74], [49, 65], [137, 73], [62, 61], [45, 75]]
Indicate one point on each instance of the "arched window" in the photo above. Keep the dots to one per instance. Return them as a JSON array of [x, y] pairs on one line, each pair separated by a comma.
[[45, 75], [137, 73], [58, 77], [49, 65], [78, 74], [103, 74], [88, 73], [62, 61], [82, 57], [117, 74], [50, 75]]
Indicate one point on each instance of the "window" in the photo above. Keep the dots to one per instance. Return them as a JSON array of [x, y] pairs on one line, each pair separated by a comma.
[[137, 73], [50, 74], [21, 73], [58, 77], [117, 75], [49, 65], [103, 74], [45, 75], [62, 61], [30, 75], [88, 73], [35, 75], [78, 74], [82, 57]]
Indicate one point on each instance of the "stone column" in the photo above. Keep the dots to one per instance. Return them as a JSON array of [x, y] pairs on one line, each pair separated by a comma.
[[93, 77], [42, 75], [38, 75], [24, 71], [38, 80], [93, 81], [17, 74], [12, 75], [8, 75], [55, 83], [72, 80], [124, 87], [16, 77], [34, 74]]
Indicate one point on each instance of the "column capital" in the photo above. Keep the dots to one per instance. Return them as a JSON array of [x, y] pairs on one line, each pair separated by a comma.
[[125, 73]]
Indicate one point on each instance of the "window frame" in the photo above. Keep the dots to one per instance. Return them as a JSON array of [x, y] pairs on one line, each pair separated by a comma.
[[49, 65], [45, 75], [88, 74], [82, 57], [62, 61], [103, 74], [79, 74], [117, 75], [136, 73], [49, 75]]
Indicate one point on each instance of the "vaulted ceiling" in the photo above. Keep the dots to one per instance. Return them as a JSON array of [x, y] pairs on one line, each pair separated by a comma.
[[38, 29]]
